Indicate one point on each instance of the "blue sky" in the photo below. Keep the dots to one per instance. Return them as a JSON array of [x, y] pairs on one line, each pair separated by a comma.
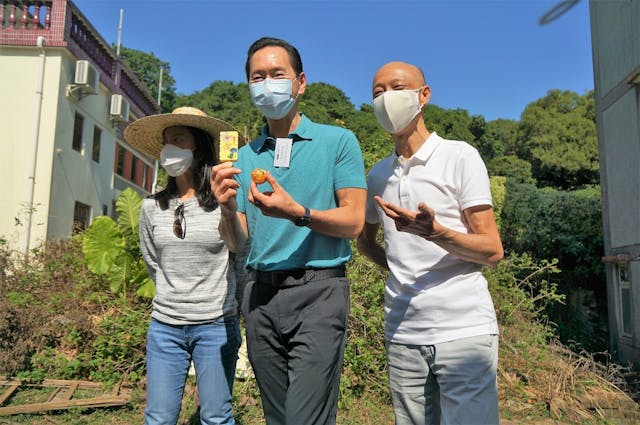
[[491, 58]]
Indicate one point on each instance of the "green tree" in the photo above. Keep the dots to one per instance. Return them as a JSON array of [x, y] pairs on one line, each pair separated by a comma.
[[146, 66], [229, 102], [499, 138], [455, 124], [375, 142], [557, 135], [510, 166], [326, 103]]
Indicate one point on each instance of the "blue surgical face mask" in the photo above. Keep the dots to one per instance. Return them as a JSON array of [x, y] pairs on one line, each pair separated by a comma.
[[273, 97]]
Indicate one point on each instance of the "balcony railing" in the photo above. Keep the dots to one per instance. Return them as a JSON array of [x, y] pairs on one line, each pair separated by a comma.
[[100, 54], [25, 14]]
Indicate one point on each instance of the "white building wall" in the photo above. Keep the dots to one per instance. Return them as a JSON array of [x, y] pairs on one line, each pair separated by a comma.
[[19, 68], [76, 177]]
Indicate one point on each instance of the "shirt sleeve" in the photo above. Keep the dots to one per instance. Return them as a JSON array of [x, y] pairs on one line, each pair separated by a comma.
[[349, 171], [474, 180], [241, 192], [147, 246], [371, 214]]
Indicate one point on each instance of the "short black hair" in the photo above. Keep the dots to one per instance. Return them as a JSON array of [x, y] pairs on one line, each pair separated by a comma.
[[294, 55]]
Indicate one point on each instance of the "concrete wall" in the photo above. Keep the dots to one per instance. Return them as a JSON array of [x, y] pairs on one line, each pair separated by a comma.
[[615, 34]]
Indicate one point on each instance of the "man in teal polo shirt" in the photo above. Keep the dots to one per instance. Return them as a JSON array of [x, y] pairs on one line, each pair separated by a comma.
[[299, 223]]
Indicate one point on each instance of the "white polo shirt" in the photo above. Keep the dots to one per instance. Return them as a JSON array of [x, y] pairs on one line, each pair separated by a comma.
[[432, 296]]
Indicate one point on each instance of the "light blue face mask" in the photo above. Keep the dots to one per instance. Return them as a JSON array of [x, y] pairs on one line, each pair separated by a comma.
[[273, 97]]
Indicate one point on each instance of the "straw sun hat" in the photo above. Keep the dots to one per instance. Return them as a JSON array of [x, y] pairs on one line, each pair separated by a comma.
[[145, 134]]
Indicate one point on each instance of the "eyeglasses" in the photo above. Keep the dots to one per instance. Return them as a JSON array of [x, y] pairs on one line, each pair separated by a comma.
[[178, 218]]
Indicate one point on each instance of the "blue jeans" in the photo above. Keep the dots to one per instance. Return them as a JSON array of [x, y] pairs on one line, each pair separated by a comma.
[[452, 382], [213, 347]]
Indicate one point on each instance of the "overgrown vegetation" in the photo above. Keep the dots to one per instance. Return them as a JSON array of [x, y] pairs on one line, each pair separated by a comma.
[[60, 320]]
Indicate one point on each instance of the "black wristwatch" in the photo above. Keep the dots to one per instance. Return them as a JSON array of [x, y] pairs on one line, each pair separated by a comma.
[[305, 219]]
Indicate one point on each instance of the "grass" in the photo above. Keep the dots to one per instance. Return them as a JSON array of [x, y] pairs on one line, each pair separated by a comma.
[[365, 411], [560, 388]]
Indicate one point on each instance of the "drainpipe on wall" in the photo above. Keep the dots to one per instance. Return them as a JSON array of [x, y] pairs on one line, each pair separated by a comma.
[[34, 155]]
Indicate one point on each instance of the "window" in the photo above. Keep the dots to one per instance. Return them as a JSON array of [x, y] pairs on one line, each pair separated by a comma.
[[132, 168], [624, 315], [97, 136], [81, 217], [120, 151], [148, 179], [77, 132], [134, 165]]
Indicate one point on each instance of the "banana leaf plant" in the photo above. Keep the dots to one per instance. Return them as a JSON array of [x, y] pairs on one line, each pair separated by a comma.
[[112, 248]]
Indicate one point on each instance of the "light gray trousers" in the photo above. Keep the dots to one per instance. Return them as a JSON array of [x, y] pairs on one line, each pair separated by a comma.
[[449, 383]]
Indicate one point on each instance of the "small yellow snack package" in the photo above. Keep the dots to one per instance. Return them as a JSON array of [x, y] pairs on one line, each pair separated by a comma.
[[228, 146]]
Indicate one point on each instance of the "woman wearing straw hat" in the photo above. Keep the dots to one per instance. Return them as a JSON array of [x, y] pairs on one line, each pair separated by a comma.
[[183, 239]]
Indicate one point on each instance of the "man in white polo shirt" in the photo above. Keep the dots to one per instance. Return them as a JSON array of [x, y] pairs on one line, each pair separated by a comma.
[[433, 199]]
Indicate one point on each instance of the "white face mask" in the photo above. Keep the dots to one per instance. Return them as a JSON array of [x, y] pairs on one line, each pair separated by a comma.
[[395, 109], [174, 160]]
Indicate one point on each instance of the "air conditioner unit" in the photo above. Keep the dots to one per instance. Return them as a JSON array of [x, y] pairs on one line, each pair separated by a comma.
[[86, 77], [119, 108]]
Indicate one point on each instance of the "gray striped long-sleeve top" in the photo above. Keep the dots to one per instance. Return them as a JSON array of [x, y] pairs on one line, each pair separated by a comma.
[[195, 282]]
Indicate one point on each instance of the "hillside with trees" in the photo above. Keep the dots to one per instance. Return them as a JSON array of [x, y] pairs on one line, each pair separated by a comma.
[[80, 307]]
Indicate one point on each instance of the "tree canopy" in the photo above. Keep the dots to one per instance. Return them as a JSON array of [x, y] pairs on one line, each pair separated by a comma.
[[557, 135], [553, 145], [146, 66]]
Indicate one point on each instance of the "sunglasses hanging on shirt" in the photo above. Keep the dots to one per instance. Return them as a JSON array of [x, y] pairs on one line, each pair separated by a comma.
[[179, 223]]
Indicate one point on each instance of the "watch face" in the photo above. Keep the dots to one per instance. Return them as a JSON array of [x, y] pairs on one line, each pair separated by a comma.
[[305, 219]]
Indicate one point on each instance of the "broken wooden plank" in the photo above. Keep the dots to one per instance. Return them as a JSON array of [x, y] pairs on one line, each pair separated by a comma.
[[8, 393], [116, 397], [69, 393], [54, 394], [51, 383], [107, 401]]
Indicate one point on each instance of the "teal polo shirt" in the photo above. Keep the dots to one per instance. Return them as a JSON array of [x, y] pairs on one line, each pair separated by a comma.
[[324, 158]]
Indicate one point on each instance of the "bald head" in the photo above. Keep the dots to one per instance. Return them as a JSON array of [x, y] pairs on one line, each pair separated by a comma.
[[397, 76]]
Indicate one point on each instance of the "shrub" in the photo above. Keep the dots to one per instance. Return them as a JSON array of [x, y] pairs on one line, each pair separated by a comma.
[[364, 360], [547, 224], [46, 302], [60, 320]]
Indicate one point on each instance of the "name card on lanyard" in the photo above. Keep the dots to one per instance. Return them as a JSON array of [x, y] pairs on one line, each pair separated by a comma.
[[282, 154]]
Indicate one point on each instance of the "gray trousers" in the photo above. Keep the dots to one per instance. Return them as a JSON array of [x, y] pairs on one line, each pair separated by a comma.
[[448, 383], [295, 340]]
